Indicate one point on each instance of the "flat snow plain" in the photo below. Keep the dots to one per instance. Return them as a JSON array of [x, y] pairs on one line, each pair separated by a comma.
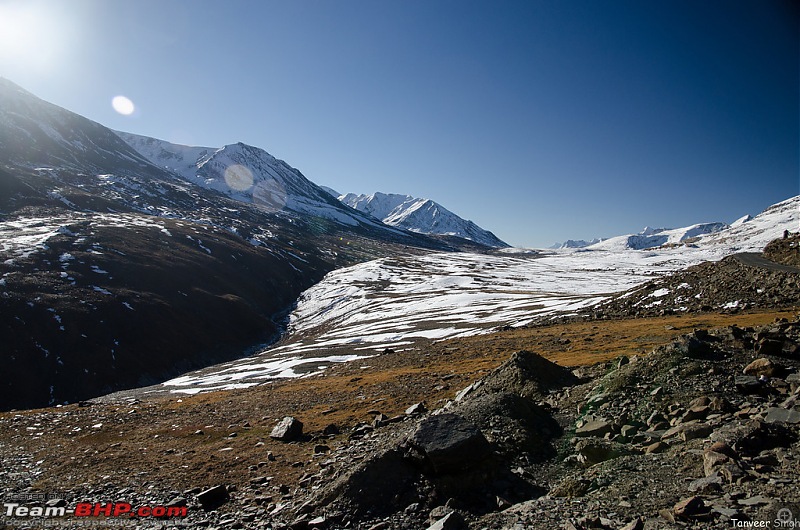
[[390, 303]]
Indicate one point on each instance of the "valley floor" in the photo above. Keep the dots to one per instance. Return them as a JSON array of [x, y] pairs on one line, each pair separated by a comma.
[[167, 449]]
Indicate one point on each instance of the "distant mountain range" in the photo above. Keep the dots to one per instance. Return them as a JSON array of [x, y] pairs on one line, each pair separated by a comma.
[[419, 215], [250, 174], [656, 237], [758, 231], [575, 243]]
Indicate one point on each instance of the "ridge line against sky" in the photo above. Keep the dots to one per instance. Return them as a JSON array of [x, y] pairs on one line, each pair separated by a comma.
[[540, 121]]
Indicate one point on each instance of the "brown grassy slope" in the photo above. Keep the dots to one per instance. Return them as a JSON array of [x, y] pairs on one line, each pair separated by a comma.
[[157, 441]]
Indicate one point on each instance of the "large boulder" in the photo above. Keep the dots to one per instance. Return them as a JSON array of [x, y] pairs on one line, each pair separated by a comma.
[[450, 443], [287, 430]]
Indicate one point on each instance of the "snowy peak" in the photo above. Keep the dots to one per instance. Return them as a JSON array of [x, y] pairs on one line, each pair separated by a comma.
[[658, 237], [247, 174], [576, 243], [419, 215], [746, 234]]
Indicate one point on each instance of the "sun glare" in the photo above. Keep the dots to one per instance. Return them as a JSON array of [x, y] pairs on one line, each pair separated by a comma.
[[29, 35]]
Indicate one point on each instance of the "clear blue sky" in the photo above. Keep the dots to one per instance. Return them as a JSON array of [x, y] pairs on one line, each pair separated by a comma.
[[538, 120]]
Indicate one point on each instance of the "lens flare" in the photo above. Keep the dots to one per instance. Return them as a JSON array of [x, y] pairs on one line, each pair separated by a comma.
[[238, 177], [270, 195], [123, 105]]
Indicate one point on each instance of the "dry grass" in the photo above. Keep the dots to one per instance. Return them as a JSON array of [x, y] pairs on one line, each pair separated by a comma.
[[159, 441]]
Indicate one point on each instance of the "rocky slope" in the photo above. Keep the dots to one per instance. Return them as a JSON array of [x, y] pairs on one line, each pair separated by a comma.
[[115, 272], [516, 447], [741, 281], [701, 431], [785, 250]]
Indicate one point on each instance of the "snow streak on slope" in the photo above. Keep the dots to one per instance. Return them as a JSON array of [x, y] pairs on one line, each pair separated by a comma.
[[363, 310], [419, 215]]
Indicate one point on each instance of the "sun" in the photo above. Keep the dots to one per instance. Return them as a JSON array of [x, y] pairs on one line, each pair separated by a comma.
[[30, 35]]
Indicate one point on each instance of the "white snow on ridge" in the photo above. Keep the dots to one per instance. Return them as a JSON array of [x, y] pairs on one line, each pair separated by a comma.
[[656, 237], [419, 215], [247, 174]]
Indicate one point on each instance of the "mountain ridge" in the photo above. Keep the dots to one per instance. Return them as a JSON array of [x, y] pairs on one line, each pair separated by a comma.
[[420, 215]]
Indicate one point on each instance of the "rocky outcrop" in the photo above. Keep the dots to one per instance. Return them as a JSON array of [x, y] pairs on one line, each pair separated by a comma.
[[654, 440], [785, 250], [733, 284]]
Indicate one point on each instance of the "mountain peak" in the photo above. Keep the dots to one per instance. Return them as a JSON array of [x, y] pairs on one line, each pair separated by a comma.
[[419, 215]]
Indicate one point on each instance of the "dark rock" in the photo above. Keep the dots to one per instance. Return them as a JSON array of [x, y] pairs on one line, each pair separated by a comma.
[[361, 430], [331, 430], [748, 384], [756, 436], [287, 430], [781, 415], [730, 513], [528, 374], [213, 498], [711, 483], [757, 500], [731, 472], [769, 347], [636, 524], [594, 428], [692, 432], [450, 443], [688, 508], [451, 521], [594, 451], [177, 502]]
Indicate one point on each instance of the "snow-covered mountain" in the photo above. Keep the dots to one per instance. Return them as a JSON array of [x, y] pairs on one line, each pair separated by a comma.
[[657, 237], [248, 174], [419, 215], [751, 234], [745, 234], [576, 243]]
